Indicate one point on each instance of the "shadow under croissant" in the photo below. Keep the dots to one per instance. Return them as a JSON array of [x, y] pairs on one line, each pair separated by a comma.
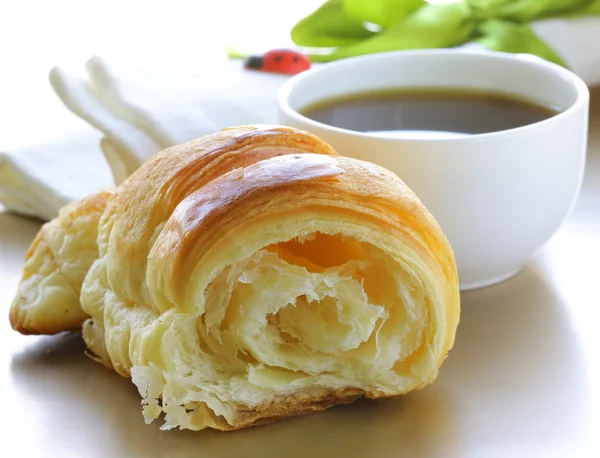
[[513, 360], [417, 424], [76, 391]]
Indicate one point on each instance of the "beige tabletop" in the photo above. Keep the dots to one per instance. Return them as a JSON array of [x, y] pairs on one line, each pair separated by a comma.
[[523, 379]]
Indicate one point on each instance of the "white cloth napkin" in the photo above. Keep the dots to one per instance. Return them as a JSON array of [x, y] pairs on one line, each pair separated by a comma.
[[135, 114], [138, 113], [39, 179], [141, 113]]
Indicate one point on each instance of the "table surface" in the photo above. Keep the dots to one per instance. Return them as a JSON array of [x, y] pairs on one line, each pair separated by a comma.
[[522, 380]]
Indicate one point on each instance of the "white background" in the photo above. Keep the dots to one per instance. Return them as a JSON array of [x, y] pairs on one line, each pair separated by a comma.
[[35, 35]]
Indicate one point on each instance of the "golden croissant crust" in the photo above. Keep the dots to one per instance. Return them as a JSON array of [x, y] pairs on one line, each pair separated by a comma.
[[249, 276]]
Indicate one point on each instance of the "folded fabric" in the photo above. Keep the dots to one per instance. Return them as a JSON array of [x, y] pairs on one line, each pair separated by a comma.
[[38, 180], [141, 113], [135, 114]]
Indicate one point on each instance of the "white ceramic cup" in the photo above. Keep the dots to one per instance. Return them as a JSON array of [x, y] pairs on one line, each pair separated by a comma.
[[498, 196]]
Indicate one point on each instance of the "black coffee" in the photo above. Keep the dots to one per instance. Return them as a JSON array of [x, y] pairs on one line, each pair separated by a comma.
[[423, 112]]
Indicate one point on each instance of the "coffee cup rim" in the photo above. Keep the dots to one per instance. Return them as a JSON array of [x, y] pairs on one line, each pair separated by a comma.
[[581, 89]]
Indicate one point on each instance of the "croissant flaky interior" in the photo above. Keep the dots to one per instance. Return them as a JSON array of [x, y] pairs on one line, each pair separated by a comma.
[[249, 276]]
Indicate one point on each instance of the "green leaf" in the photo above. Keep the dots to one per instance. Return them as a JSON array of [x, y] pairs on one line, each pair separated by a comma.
[[590, 10], [594, 8], [498, 35], [329, 26], [433, 26], [382, 12], [525, 10]]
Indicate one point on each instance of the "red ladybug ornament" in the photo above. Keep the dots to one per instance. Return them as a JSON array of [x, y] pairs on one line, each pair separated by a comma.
[[286, 61]]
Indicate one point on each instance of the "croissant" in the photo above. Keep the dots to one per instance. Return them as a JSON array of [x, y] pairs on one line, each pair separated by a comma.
[[249, 276]]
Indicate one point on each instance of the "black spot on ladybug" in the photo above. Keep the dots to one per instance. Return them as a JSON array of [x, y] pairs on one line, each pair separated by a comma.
[[277, 59], [295, 59]]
